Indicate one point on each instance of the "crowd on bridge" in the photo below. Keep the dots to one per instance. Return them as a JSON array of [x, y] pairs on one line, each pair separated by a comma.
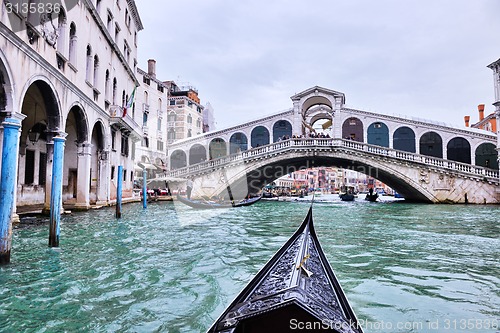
[[311, 135]]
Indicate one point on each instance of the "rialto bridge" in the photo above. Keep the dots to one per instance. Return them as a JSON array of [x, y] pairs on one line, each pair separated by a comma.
[[423, 160]]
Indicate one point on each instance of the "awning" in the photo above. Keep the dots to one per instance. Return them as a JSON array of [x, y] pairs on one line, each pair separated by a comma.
[[168, 179], [160, 167], [148, 166]]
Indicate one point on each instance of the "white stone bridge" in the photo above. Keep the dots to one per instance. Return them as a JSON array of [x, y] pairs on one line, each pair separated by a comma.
[[424, 161]]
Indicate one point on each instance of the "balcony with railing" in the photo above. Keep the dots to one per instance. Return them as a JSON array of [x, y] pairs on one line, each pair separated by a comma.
[[123, 120]]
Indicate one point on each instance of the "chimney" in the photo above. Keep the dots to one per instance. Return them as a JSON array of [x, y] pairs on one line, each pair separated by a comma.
[[480, 107], [467, 120], [152, 68]]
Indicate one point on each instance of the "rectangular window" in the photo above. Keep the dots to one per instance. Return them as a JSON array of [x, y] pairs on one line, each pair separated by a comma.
[[124, 147], [159, 145], [124, 175], [42, 169], [29, 170], [113, 172], [172, 102], [160, 88], [113, 140], [159, 124]]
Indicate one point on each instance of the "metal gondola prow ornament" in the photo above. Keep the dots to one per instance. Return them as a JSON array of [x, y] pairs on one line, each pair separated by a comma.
[[296, 290]]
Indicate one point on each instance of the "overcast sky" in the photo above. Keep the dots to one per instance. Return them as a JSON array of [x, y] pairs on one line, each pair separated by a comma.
[[420, 58]]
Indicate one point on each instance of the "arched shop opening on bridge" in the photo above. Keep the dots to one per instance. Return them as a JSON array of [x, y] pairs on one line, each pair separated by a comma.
[[238, 143]]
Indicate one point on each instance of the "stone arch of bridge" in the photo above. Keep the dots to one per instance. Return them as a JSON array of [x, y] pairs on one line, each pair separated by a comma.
[[264, 171]]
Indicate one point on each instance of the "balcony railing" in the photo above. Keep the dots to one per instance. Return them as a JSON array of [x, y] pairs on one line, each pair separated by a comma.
[[118, 118]]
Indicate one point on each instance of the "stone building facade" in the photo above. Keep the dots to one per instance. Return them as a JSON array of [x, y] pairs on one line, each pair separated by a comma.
[[151, 104], [69, 73], [184, 113]]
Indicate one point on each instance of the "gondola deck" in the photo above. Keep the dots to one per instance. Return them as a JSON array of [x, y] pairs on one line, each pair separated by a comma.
[[296, 288]]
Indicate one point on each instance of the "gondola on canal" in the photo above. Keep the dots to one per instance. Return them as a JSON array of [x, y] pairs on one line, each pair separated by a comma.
[[371, 196], [296, 291], [205, 204], [347, 197]]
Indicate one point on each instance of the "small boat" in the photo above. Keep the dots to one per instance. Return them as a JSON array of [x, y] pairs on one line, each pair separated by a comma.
[[296, 287], [204, 204], [347, 197], [371, 197]]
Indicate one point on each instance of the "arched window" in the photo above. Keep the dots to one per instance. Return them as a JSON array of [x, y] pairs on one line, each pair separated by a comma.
[[238, 143], [96, 71], [197, 154], [487, 156], [190, 133], [115, 88], [189, 119], [106, 85], [88, 75], [458, 149], [61, 30], [282, 129], [171, 135], [146, 98], [352, 129], [259, 136], [178, 159], [404, 139], [378, 134], [217, 148], [431, 144], [72, 44], [198, 123], [159, 104], [171, 117]]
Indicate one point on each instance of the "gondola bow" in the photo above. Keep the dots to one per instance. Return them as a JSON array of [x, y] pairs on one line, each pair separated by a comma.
[[296, 288]]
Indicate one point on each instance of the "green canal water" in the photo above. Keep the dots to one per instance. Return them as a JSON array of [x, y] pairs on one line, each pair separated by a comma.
[[404, 267]]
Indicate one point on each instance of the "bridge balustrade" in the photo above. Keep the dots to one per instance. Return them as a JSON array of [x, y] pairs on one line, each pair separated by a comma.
[[343, 143]]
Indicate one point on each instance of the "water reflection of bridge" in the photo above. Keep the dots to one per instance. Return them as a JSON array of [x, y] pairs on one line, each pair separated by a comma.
[[426, 161]]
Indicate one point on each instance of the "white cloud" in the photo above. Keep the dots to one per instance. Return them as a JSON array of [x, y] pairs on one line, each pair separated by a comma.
[[413, 57]]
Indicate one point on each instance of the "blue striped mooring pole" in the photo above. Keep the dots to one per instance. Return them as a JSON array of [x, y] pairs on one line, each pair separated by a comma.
[[7, 185], [144, 189], [56, 191]]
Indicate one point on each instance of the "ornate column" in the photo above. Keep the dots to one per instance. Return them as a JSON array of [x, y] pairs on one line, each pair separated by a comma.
[[103, 178], [83, 176]]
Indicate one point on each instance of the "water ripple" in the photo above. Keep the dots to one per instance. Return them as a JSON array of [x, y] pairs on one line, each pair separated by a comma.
[[173, 269]]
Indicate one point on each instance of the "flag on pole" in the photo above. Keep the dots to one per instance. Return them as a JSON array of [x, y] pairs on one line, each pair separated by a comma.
[[130, 103]]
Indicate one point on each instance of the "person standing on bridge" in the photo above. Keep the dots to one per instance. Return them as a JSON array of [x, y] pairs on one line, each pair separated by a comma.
[[189, 188]]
